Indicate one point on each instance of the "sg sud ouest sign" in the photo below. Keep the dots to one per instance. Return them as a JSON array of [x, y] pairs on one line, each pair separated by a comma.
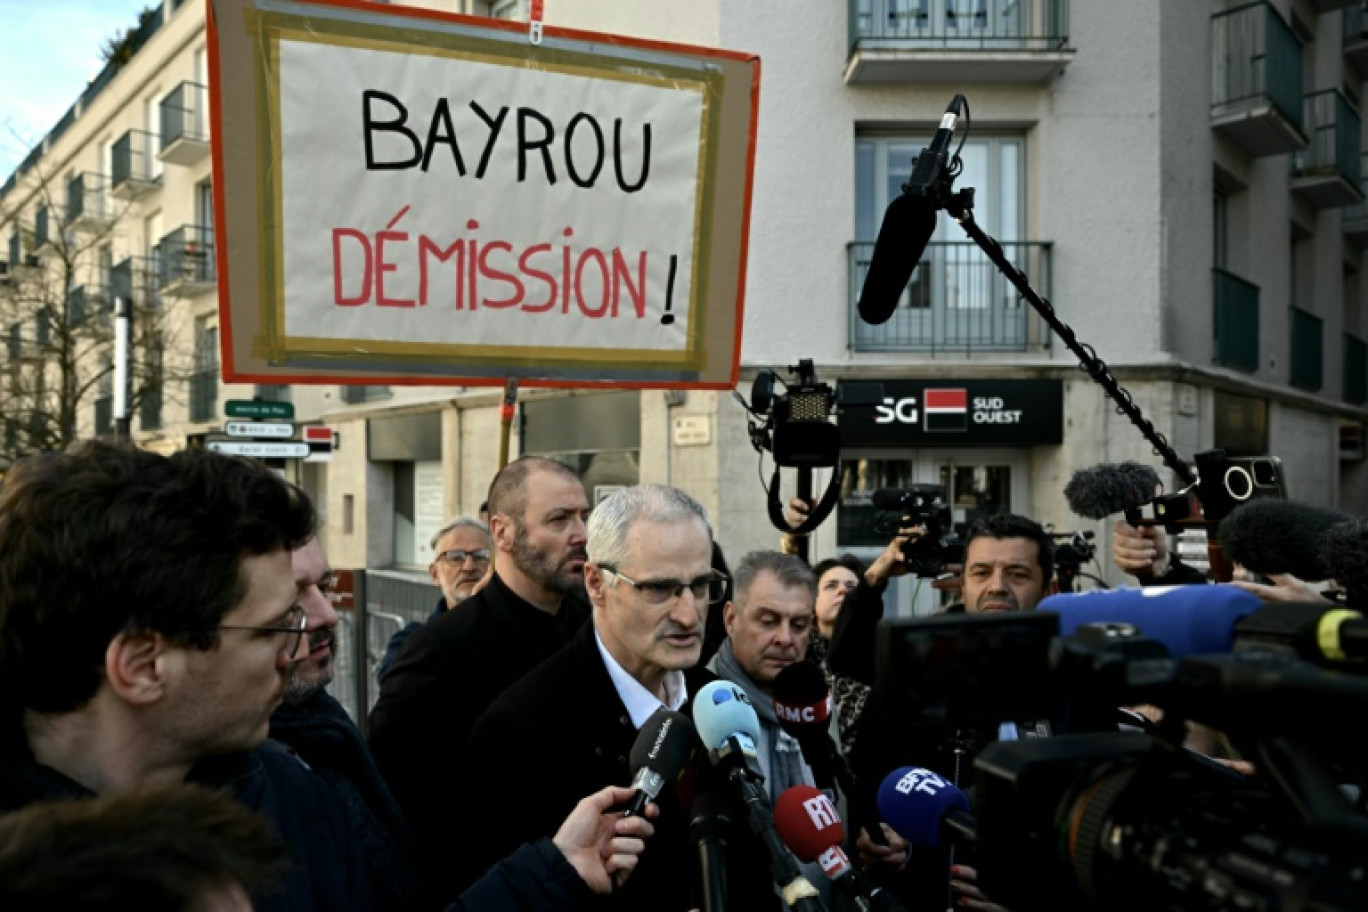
[[959, 413]]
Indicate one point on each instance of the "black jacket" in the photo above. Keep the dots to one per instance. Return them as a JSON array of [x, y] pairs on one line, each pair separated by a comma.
[[322, 733], [401, 636], [327, 871], [450, 671], [562, 733]]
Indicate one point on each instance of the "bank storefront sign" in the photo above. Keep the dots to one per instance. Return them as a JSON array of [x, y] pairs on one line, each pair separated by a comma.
[[926, 413]]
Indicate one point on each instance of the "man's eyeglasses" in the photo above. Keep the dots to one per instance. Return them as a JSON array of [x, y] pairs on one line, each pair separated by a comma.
[[458, 557], [296, 625], [708, 588]]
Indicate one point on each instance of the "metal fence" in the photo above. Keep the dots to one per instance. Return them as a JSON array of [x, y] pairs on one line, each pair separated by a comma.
[[385, 602]]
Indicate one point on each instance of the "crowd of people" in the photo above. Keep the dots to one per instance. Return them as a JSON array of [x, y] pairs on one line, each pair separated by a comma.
[[167, 640]]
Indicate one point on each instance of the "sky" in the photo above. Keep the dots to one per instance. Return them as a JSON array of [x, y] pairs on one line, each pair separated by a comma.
[[49, 51]]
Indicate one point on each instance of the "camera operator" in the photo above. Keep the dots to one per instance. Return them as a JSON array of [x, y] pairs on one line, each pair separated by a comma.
[[849, 608], [1008, 566]]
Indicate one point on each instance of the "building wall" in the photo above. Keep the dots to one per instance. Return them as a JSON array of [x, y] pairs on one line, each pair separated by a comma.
[[1121, 164]]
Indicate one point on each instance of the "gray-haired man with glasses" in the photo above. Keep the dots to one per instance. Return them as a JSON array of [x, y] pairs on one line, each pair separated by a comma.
[[571, 723], [462, 557]]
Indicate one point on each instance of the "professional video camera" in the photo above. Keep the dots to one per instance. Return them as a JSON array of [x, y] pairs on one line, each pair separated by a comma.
[[920, 505], [1104, 819], [794, 424]]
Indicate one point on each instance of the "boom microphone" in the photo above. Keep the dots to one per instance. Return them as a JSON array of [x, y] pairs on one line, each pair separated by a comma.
[[1188, 620], [811, 827], [662, 749], [1271, 535], [1111, 488], [908, 223], [1346, 560], [925, 809]]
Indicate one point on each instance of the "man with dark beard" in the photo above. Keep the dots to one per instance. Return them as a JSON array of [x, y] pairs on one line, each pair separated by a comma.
[[456, 665], [315, 726]]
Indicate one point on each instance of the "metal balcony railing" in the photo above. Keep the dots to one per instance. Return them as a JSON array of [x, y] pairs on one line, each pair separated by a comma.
[[956, 300], [1355, 370], [87, 204], [1235, 320], [184, 124], [1334, 128], [89, 307], [185, 259], [1307, 349], [130, 163], [1256, 93], [1028, 25]]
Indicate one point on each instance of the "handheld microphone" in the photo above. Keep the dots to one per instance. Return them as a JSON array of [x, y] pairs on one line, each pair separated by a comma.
[[810, 826], [908, 223], [1187, 620], [662, 749], [728, 726], [1327, 635], [802, 701], [926, 809], [729, 729], [1271, 535], [709, 822], [1111, 488]]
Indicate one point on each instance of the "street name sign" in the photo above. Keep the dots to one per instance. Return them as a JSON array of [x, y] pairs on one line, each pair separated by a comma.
[[260, 449], [252, 408], [280, 429]]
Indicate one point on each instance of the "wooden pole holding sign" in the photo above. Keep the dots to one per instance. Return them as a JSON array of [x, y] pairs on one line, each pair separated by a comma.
[[506, 411]]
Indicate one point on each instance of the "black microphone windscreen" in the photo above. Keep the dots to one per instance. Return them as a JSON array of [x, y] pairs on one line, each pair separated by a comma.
[[908, 224], [664, 744], [801, 683], [1346, 560], [1271, 535], [1111, 488]]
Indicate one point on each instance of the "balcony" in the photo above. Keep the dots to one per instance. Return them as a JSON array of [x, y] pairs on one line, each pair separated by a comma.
[[1354, 219], [130, 165], [1307, 335], [1235, 319], [956, 301], [1256, 94], [45, 234], [87, 204], [89, 308], [185, 261], [1355, 370], [135, 280], [184, 125], [204, 395], [1328, 171], [957, 41]]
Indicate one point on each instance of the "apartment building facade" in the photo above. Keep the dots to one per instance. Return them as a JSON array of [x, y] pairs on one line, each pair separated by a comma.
[[1183, 181]]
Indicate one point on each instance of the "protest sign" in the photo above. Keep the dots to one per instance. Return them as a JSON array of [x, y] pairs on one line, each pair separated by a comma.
[[406, 196]]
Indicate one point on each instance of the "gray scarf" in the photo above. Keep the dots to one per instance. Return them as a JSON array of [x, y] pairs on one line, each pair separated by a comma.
[[781, 758]]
